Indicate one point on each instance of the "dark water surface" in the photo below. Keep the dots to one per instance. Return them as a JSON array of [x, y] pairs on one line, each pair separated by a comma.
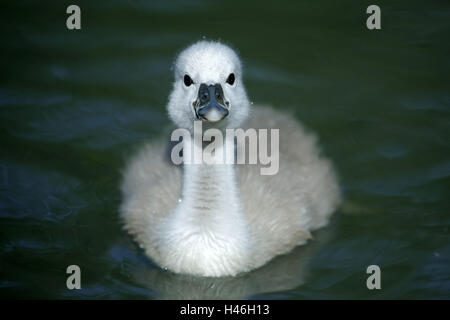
[[74, 105]]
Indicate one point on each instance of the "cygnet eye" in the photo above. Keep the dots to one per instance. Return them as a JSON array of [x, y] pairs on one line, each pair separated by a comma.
[[187, 80], [230, 79]]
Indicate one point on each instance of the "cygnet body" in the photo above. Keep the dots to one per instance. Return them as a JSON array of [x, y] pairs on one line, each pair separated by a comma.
[[222, 219]]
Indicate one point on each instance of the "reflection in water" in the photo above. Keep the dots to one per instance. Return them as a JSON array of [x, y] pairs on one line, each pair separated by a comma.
[[285, 272]]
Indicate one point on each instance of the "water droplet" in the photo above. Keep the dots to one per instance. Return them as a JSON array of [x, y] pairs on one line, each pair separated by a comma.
[[437, 255], [251, 102], [141, 246], [179, 200]]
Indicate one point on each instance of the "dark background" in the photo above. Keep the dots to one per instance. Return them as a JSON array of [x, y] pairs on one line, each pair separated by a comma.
[[74, 105]]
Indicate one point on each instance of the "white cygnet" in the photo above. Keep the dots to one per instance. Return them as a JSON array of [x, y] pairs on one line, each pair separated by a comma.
[[224, 219]]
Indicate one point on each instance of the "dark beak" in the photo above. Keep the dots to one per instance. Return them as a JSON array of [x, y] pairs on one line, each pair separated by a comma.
[[210, 105]]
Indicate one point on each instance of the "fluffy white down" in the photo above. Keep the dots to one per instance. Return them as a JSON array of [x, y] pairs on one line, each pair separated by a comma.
[[222, 220]]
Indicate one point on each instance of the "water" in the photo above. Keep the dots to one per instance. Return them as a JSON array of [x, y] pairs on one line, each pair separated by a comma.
[[76, 104]]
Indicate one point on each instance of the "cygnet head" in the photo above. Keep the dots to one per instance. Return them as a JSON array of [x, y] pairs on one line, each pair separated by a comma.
[[208, 87]]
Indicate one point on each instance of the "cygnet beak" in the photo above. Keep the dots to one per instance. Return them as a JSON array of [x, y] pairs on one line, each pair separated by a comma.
[[210, 105]]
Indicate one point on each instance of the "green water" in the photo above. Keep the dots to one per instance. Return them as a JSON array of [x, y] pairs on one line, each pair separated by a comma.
[[76, 104]]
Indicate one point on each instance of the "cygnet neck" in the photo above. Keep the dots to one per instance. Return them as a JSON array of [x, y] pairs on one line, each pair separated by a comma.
[[209, 187], [208, 233]]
